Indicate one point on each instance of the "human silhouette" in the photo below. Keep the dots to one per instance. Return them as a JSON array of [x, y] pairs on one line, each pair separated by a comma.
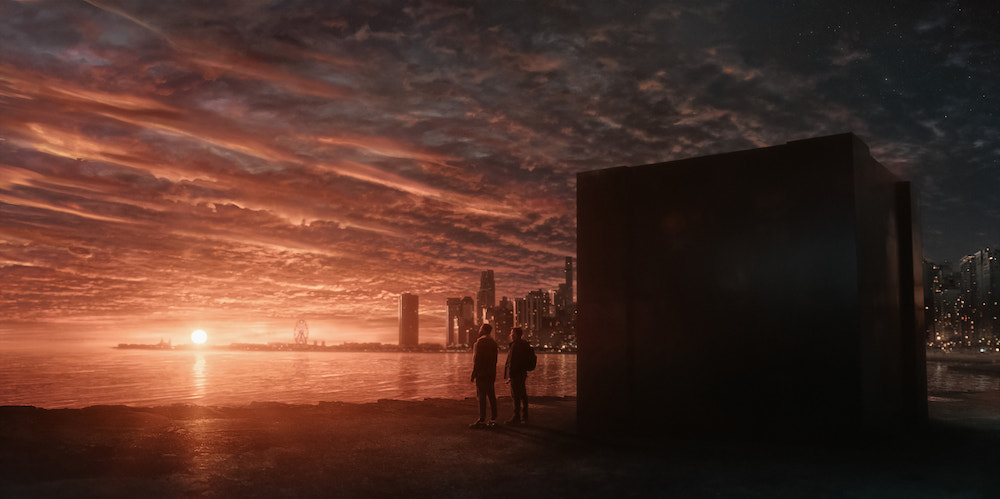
[[484, 374], [515, 371]]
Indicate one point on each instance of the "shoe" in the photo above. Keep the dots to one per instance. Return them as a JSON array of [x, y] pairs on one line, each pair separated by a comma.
[[491, 425], [513, 421], [477, 425]]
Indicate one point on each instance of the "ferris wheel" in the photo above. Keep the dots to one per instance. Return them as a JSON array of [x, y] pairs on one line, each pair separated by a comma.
[[301, 332]]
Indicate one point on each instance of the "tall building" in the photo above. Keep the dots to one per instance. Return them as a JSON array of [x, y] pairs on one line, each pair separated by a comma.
[[537, 312], [568, 271], [521, 312], [980, 292], [990, 296], [467, 332], [461, 321], [409, 320], [934, 301], [565, 308], [502, 320], [948, 320], [454, 322], [487, 297]]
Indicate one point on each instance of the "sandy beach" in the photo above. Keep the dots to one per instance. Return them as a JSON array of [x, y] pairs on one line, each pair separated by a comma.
[[425, 449]]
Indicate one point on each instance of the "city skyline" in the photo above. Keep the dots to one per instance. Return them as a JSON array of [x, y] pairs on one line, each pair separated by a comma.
[[962, 302], [235, 168]]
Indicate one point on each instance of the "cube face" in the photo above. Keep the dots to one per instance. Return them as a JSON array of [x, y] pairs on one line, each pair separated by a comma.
[[746, 293]]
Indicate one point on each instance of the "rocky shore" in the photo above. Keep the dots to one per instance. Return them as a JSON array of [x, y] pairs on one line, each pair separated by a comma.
[[425, 449]]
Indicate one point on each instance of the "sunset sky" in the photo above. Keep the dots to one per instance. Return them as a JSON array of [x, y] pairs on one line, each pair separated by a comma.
[[237, 165]]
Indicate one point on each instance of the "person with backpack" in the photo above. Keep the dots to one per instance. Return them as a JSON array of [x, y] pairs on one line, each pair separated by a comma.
[[520, 359]]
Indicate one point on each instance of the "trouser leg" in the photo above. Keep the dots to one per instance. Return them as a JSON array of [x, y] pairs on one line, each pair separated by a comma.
[[487, 393], [517, 400], [481, 395], [493, 402], [520, 394]]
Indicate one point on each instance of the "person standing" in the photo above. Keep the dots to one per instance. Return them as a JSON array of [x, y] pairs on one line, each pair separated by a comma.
[[484, 374], [515, 371]]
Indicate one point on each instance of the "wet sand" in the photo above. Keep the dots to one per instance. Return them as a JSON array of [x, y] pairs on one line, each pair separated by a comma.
[[425, 449]]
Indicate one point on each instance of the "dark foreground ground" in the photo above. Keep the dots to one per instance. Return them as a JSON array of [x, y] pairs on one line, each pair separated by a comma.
[[425, 449]]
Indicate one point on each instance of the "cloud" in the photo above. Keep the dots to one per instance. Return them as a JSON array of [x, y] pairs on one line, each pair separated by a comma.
[[252, 161]]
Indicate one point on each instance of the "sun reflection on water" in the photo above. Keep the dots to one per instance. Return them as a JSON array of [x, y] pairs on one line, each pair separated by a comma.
[[199, 378]]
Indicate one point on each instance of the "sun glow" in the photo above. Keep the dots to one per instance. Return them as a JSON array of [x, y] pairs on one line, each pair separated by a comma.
[[199, 336]]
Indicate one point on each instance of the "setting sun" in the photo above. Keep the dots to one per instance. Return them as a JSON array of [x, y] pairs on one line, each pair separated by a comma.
[[199, 336]]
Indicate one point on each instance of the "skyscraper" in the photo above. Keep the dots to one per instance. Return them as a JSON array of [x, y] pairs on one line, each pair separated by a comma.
[[980, 275], [503, 320], [486, 299], [521, 312], [454, 322], [933, 301], [467, 330], [564, 296], [568, 270], [944, 305], [409, 320], [537, 313]]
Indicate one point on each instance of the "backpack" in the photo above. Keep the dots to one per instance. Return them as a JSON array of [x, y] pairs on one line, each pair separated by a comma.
[[532, 360]]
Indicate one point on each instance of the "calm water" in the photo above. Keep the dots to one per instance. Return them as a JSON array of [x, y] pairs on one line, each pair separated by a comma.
[[149, 378], [941, 379]]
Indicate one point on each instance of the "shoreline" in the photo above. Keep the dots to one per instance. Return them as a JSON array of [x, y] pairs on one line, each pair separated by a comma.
[[292, 347], [424, 448]]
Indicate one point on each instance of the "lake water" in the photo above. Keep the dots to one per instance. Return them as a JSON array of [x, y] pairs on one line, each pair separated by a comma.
[[940, 379], [145, 378], [150, 378]]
